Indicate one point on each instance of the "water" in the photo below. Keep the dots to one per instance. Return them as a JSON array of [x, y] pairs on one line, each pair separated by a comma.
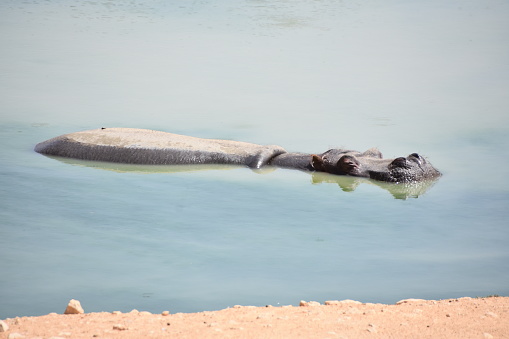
[[405, 77]]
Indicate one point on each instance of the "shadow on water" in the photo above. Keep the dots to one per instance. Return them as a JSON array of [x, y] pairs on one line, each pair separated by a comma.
[[401, 191]]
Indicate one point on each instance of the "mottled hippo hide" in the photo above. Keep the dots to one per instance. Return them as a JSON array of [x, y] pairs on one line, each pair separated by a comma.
[[140, 146]]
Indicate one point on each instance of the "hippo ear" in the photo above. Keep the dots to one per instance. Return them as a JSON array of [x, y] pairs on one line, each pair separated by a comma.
[[317, 163], [373, 153]]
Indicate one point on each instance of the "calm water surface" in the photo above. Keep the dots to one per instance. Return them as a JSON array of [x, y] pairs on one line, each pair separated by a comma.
[[405, 77]]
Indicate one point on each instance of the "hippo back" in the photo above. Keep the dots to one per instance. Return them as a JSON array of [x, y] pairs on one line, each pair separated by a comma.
[[141, 146]]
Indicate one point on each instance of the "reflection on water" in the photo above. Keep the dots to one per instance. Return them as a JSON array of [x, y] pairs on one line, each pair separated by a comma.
[[135, 168], [346, 183], [398, 191]]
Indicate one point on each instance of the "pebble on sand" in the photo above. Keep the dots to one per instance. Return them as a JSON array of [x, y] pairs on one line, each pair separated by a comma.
[[74, 307], [408, 301], [309, 303], [3, 326]]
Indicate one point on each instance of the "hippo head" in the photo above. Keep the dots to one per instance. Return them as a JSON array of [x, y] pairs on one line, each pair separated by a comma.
[[370, 164]]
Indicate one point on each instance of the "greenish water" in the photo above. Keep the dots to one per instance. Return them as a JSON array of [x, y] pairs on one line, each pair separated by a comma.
[[405, 77]]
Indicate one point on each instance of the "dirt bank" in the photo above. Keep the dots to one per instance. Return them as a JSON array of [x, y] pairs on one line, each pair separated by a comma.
[[453, 318]]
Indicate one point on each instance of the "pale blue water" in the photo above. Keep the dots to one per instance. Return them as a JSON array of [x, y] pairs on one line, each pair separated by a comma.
[[405, 77]]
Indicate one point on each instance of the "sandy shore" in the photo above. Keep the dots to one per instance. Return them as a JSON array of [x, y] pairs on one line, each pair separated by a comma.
[[412, 318]]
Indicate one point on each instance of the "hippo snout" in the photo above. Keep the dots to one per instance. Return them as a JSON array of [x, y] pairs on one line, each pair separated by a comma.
[[400, 163], [407, 162]]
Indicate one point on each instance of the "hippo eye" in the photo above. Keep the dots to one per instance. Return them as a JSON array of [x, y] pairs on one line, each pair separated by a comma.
[[416, 155]]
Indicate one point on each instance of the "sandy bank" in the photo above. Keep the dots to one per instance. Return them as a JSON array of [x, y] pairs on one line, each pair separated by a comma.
[[452, 318]]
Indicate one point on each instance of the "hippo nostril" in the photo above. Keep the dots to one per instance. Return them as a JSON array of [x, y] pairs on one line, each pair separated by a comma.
[[399, 162], [416, 157]]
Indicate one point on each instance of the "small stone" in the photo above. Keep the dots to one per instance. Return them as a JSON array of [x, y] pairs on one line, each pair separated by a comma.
[[487, 335], [372, 328], [332, 302], [3, 326], [466, 298], [15, 336], [407, 301], [145, 313], [165, 313], [116, 312], [349, 301], [491, 314], [309, 303], [119, 327], [448, 315], [134, 311], [74, 307]]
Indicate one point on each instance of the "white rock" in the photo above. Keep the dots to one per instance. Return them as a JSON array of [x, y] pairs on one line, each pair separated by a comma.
[[3, 326], [74, 307], [119, 327], [372, 328], [407, 301], [15, 336], [349, 301]]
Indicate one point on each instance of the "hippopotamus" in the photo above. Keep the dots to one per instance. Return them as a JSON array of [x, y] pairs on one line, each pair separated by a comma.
[[149, 147]]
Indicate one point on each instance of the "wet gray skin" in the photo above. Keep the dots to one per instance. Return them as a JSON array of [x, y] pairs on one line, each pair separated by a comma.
[[371, 164], [137, 146]]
